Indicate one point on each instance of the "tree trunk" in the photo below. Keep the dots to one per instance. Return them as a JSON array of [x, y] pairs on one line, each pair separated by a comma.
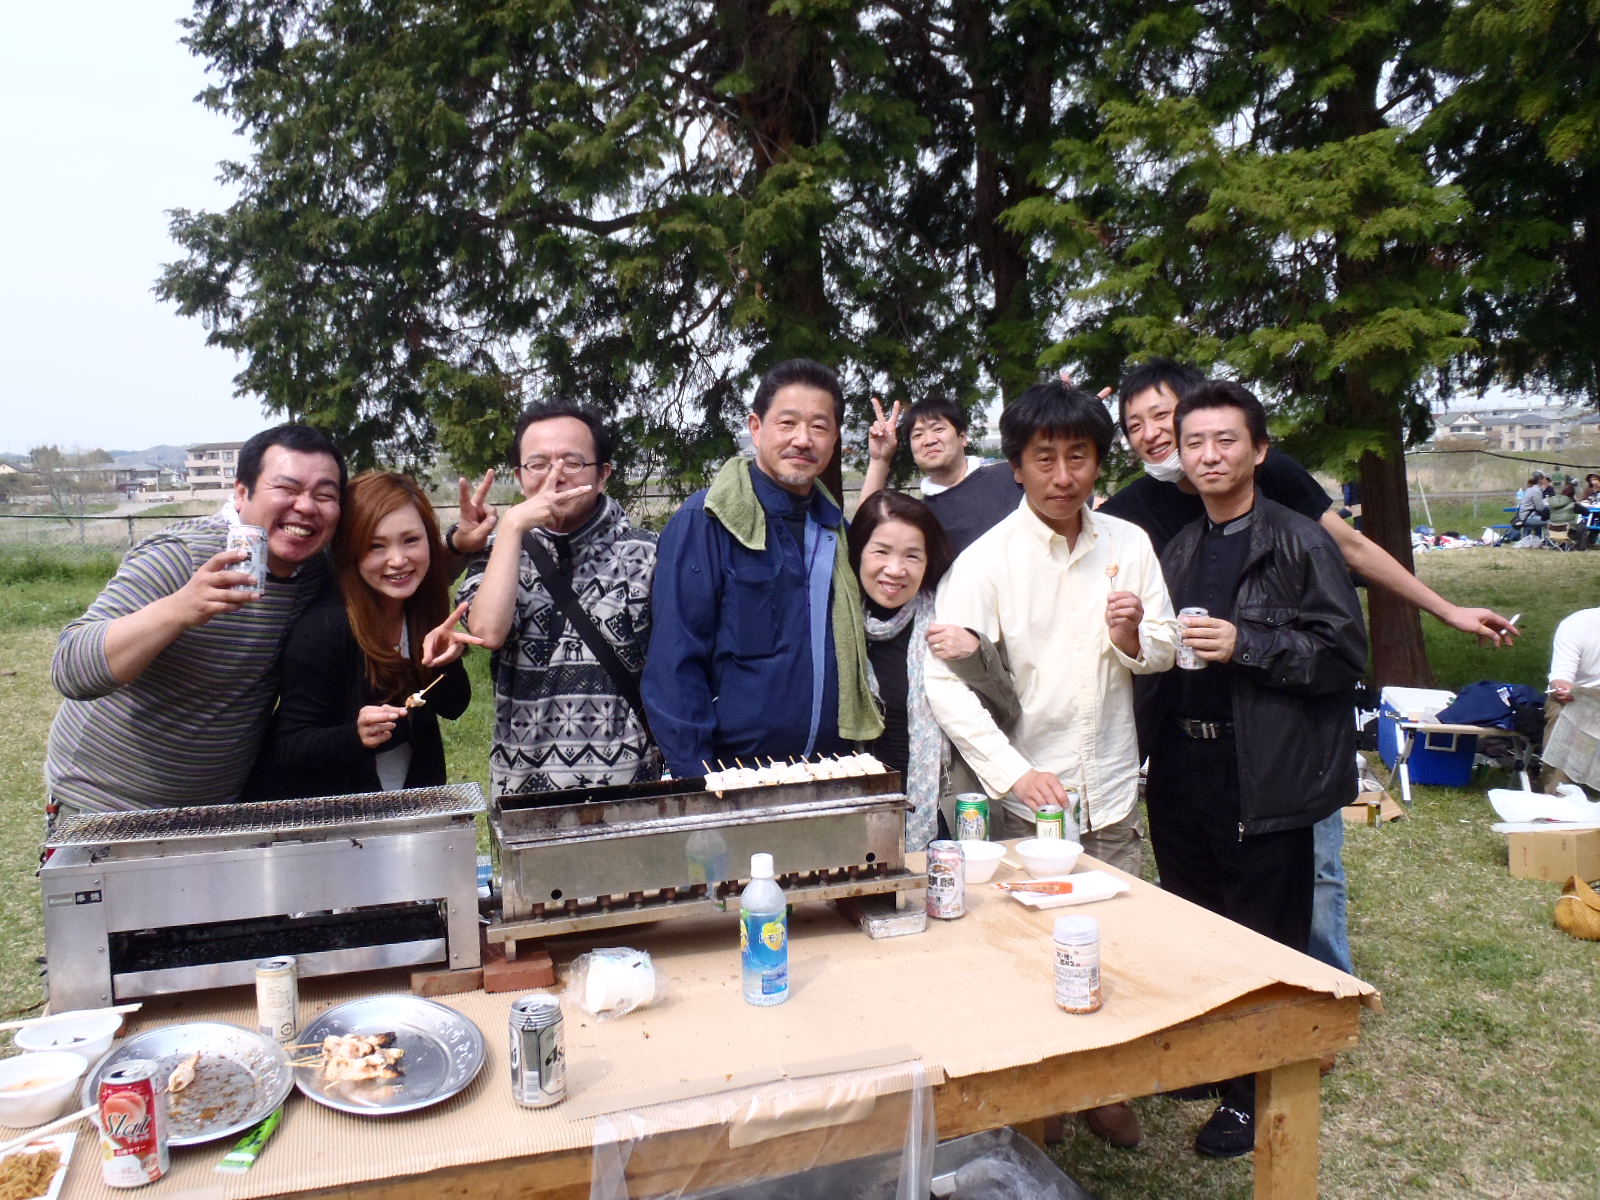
[[1399, 655]]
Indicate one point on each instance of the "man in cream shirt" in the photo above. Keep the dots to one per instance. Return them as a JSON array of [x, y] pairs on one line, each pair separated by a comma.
[[1076, 603]]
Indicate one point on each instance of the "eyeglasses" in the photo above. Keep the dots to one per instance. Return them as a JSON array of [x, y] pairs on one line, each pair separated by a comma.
[[541, 466]]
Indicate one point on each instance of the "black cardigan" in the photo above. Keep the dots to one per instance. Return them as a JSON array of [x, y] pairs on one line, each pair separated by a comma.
[[313, 747]]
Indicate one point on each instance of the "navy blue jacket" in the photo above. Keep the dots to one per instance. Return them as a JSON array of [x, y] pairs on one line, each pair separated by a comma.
[[728, 674]]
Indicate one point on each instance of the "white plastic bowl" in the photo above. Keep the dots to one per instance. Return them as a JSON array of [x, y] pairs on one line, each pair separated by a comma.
[[88, 1034], [1044, 857], [983, 859], [35, 1088]]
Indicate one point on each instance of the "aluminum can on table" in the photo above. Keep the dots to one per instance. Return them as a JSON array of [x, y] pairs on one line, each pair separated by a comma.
[[133, 1125], [1188, 660], [538, 1052], [278, 998], [1050, 821], [251, 538], [972, 818], [1077, 955], [947, 880]]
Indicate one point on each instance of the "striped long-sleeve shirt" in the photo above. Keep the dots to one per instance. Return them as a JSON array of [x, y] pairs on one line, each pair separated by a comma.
[[186, 731]]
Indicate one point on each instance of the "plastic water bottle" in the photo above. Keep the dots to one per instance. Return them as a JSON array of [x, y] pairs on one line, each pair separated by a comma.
[[764, 936]]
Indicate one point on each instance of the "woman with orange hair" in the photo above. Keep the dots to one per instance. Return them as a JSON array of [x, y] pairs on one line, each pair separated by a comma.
[[349, 717]]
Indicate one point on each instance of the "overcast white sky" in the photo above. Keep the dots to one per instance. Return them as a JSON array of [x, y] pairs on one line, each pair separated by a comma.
[[101, 137]]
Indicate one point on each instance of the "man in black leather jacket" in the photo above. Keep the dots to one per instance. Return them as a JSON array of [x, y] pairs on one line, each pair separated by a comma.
[[1258, 745]]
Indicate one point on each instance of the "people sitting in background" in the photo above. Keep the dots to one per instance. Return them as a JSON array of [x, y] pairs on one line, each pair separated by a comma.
[[1572, 712], [1563, 505], [343, 723], [900, 553], [1533, 510], [1591, 489]]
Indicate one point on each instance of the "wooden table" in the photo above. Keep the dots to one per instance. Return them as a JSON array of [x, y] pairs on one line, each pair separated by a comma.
[[1190, 998]]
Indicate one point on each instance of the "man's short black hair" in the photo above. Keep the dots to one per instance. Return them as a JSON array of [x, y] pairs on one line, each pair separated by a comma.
[[1169, 373], [302, 439], [937, 407], [807, 371], [1224, 393], [1057, 410], [534, 413]]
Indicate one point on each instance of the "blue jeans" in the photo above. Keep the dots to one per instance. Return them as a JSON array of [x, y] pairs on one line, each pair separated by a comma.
[[1330, 932]]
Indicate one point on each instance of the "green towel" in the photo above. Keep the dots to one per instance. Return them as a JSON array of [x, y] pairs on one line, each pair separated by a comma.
[[732, 501]]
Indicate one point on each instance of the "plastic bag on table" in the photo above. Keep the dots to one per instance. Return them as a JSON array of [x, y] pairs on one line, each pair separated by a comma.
[[612, 982], [868, 1134]]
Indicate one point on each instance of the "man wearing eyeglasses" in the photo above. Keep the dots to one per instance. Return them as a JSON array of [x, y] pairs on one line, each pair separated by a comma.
[[563, 598]]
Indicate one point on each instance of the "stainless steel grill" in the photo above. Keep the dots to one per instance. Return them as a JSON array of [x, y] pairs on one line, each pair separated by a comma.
[[266, 817], [599, 858], [168, 900]]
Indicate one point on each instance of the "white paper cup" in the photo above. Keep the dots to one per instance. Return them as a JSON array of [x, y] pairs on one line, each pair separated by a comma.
[[616, 981]]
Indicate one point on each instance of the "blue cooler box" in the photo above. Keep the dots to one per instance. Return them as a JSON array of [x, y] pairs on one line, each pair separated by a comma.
[[1443, 759]]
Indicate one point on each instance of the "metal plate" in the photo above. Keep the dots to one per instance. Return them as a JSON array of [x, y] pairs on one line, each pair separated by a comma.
[[241, 1077], [444, 1052]]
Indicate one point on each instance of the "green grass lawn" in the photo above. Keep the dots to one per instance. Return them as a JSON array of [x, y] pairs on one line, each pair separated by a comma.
[[1477, 1079]]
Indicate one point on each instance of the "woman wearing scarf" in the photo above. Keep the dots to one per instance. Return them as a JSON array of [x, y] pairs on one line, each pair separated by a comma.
[[899, 552]]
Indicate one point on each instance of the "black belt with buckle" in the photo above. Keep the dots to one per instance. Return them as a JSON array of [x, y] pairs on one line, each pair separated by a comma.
[[1205, 731]]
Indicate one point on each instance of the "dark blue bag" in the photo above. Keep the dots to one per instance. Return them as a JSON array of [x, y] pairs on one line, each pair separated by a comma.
[[1501, 705]]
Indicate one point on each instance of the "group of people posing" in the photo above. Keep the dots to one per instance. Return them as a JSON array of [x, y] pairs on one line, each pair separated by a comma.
[[995, 632]]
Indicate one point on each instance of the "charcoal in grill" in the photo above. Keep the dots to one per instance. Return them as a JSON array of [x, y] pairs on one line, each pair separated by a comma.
[[267, 937]]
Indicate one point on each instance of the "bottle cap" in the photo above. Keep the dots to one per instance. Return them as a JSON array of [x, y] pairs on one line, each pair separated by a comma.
[[761, 866], [1077, 929]]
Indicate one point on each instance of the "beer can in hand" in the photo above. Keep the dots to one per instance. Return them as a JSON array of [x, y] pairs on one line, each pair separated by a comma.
[[1188, 660], [253, 540], [133, 1125]]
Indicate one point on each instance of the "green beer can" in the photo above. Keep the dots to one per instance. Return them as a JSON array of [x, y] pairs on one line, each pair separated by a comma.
[[972, 817]]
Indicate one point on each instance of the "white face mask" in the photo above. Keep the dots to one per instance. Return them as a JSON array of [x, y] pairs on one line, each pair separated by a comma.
[[1168, 470]]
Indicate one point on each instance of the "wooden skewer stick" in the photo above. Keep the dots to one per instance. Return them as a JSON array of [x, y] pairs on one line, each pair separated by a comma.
[[77, 1012], [33, 1134]]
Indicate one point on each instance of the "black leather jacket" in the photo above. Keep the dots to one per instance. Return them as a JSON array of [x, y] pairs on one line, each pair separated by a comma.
[[1301, 648]]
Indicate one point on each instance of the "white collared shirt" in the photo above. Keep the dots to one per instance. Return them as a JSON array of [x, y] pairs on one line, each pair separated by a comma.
[[1043, 604]]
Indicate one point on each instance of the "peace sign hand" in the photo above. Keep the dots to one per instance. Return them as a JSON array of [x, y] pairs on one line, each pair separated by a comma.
[[883, 438]]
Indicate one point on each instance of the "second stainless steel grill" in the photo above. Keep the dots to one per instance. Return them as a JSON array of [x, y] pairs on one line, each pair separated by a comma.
[[612, 856]]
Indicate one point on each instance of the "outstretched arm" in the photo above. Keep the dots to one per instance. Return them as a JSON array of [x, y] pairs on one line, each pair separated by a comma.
[[1381, 569]]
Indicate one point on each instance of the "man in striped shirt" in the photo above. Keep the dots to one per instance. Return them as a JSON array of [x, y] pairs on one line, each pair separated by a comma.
[[170, 675]]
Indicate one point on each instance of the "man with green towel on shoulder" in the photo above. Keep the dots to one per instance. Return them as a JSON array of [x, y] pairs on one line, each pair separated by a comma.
[[757, 646]]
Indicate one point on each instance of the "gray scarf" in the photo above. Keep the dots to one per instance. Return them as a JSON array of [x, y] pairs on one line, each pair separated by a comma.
[[925, 761]]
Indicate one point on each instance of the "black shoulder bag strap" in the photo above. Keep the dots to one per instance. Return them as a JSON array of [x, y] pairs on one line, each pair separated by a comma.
[[583, 625]]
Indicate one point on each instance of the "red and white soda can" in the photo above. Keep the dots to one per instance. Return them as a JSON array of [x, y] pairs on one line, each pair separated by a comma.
[[133, 1125]]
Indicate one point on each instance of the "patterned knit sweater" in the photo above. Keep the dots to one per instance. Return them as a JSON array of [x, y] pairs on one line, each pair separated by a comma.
[[559, 721]]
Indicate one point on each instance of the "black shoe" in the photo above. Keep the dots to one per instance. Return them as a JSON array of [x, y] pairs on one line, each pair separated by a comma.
[[1228, 1134]]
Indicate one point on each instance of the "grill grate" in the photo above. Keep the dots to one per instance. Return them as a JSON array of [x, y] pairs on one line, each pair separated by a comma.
[[268, 816]]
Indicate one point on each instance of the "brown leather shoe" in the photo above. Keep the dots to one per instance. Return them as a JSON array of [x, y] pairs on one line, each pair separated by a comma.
[[1114, 1123]]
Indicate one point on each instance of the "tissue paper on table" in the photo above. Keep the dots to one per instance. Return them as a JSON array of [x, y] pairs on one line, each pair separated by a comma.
[[1087, 887], [1569, 806]]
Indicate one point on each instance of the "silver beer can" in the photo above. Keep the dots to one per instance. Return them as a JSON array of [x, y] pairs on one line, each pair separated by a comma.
[[253, 540], [947, 880], [1188, 660], [538, 1052], [278, 998]]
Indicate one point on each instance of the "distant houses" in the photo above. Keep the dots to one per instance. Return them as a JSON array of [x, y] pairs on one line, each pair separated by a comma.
[[1521, 429]]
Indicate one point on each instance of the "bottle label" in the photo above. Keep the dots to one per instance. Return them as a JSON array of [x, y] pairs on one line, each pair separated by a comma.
[[764, 948]]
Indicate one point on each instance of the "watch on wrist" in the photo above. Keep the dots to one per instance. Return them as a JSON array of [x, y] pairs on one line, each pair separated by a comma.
[[450, 538]]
